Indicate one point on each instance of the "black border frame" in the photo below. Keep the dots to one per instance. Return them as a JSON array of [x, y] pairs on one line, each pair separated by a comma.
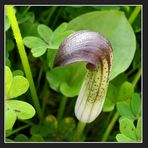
[[74, 2]]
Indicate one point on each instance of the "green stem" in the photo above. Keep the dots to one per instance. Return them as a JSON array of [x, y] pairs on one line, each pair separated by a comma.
[[110, 127], [18, 129], [26, 10], [45, 100], [56, 17], [137, 77], [39, 77], [79, 130], [133, 70], [134, 14], [23, 56], [62, 108], [51, 12]]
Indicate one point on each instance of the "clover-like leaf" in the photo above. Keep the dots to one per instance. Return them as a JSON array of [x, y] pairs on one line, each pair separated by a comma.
[[125, 92], [139, 129], [32, 42], [127, 128], [23, 110], [45, 32], [123, 138], [38, 51], [67, 80], [37, 45], [60, 29], [18, 87], [110, 100], [9, 79], [125, 110], [15, 86], [10, 117], [136, 105]]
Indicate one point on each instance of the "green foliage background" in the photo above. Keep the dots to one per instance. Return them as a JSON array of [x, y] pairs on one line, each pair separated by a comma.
[[43, 29]]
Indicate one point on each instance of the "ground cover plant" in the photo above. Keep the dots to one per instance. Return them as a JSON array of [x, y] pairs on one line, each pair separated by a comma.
[[40, 97]]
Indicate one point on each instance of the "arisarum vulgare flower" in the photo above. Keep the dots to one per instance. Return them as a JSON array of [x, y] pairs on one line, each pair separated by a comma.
[[93, 48]]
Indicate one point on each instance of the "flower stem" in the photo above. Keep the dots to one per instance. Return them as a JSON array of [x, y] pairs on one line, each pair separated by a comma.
[[110, 127], [18, 129], [23, 56], [62, 108], [134, 14], [79, 130]]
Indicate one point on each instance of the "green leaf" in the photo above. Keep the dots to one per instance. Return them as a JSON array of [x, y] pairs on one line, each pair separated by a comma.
[[124, 110], [67, 80], [139, 129], [127, 128], [34, 42], [36, 138], [57, 40], [21, 138], [29, 28], [60, 29], [18, 72], [23, 110], [38, 51], [123, 138], [125, 92], [9, 140], [136, 105], [45, 32], [9, 79], [115, 26], [10, 116], [7, 23], [110, 99], [51, 54], [19, 86]]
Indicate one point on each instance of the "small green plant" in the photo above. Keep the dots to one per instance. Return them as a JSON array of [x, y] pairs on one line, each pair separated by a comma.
[[48, 39], [128, 131], [16, 109]]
